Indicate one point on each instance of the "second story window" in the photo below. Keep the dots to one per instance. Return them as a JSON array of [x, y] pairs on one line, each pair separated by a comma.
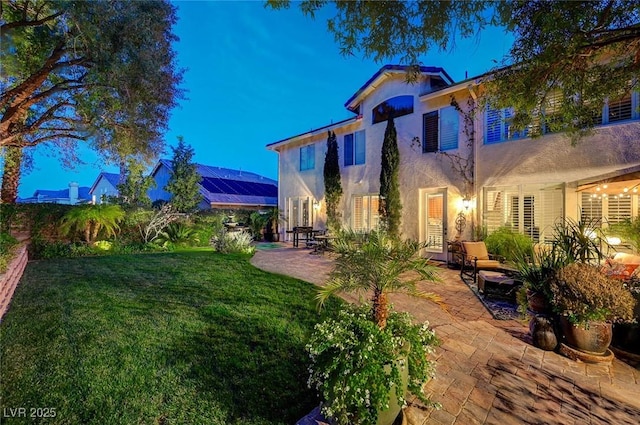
[[497, 126], [354, 148], [440, 130], [307, 157], [394, 107]]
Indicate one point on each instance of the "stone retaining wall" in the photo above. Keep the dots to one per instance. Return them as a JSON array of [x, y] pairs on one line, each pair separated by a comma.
[[10, 279]]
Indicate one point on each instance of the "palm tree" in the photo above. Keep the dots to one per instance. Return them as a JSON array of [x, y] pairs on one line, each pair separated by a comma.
[[381, 264], [90, 219]]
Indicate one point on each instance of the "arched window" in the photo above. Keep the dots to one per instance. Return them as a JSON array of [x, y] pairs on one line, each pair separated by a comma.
[[394, 107]]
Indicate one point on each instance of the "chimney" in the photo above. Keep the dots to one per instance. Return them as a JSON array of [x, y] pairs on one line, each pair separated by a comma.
[[73, 193]]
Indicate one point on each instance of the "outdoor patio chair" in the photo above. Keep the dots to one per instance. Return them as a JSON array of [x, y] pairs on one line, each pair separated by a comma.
[[475, 257]]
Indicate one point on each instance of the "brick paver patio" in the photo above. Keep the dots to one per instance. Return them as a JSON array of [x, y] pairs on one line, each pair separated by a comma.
[[487, 370]]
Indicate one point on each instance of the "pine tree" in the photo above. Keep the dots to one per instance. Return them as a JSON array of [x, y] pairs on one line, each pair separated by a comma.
[[183, 183], [135, 184], [390, 206], [332, 184]]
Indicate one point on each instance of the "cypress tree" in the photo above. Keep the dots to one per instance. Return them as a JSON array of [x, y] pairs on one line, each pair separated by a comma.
[[332, 184], [390, 206], [184, 180]]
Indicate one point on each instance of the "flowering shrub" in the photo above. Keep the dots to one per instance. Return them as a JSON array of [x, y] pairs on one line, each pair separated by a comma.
[[355, 363], [581, 292]]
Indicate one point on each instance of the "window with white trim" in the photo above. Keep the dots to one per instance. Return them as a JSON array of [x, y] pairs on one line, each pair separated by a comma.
[[497, 126], [528, 209], [364, 212], [307, 157], [606, 210], [440, 130], [355, 148]]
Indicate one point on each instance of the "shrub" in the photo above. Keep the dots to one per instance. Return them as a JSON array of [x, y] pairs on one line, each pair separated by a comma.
[[177, 235], [352, 363], [581, 292], [90, 220], [7, 243], [230, 242], [506, 242]]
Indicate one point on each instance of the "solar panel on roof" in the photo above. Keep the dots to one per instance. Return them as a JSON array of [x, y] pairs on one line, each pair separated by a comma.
[[236, 187]]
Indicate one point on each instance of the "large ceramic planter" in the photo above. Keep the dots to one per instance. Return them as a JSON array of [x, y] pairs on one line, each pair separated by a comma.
[[594, 338], [388, 416]]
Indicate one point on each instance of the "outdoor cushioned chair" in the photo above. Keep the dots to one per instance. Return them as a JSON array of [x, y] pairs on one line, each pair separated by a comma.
[[475, 258]]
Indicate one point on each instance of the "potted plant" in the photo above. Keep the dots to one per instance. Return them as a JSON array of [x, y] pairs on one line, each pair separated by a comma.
[[588, 302], [363, 361], [273, 217], [626, 336], [536, 271], [257, 222]]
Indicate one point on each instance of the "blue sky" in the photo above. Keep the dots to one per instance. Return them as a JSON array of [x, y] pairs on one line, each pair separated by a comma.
[[255, 76]]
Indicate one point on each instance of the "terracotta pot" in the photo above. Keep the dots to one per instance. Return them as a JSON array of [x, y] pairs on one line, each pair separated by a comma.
[[594, 338]]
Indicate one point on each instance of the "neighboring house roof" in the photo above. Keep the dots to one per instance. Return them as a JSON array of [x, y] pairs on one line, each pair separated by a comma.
[[112, 178], [388, 70], [221, 185], [43, 195]]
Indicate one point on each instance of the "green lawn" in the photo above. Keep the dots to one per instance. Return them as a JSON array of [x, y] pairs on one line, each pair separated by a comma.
[[178, 338]]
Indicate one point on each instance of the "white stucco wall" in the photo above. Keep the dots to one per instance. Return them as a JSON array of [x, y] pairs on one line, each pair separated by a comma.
[[419, 172], [549, 160]]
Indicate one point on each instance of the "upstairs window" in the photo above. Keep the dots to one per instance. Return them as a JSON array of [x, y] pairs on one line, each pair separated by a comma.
[[620, 109], [440, 130], [395, 107], [497, 126], [307, 157], [355, 148]]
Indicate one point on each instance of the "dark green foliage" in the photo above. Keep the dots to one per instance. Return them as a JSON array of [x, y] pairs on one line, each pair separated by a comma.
[[98, 71], [580, 241], [390, 203], [332, 183], [586, 50], [41, 221], [183, 183], [137, 182], [7, 244], [177, 235], [91, 221], [628, 230], [176, 338], [509, 243], [257, 223]]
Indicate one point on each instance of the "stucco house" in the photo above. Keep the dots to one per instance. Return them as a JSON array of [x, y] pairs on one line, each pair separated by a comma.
[[73, 195], [106, 185], [509, 178], [221, 188]]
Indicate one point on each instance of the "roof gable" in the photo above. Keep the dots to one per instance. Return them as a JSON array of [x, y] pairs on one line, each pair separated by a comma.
[[384, 73], [112, 178]]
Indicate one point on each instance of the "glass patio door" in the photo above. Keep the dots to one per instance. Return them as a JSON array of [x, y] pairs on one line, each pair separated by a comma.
[[435, 221]]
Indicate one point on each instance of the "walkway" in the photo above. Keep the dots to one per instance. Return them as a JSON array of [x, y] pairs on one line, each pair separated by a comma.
[[487, 370]]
